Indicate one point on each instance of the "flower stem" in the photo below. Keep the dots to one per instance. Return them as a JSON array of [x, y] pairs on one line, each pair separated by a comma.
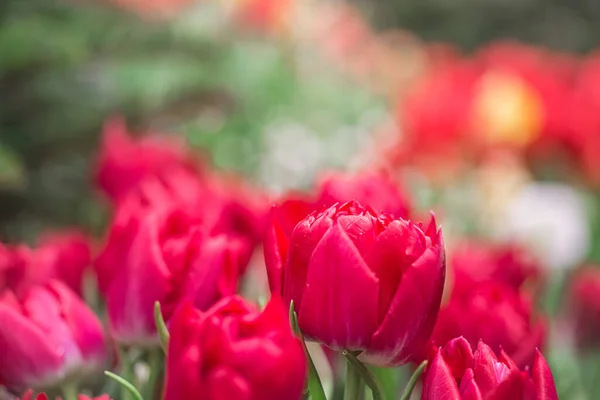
[[70, 391], [155, 363], [364, 373], [410, 386], [353, 383]]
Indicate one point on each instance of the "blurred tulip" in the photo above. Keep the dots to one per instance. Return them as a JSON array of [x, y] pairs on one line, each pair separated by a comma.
[[456, 373], [164, 255], [233, 351], [124, 162], [376, 189], [584, 303], [495, 313], [47, 338], [360, 281], [59, 255], [475, 262]]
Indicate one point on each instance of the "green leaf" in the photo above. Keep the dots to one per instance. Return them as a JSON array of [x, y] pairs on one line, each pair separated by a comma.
[[161, 328], [413, 381], [127, 385], [315, 386]]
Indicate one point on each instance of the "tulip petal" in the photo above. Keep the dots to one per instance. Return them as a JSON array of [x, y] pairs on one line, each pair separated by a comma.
[[213, 272], [33, 358], [458, 355], [340, 297], [542, 378], [305, 238], [84, 325], [485, 368], [276, 248], [133, 291], [439, 382], [468, 387], [512, 387], [183, 380], [225, 384], [411, 316]]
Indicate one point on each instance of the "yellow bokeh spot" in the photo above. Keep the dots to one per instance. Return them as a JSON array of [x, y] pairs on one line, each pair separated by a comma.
[[506, 110]]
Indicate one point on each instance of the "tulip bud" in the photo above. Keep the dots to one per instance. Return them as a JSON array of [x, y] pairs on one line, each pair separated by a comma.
[[360, 281], [48, 337], [233, 351], [457, 373], [585, 307]]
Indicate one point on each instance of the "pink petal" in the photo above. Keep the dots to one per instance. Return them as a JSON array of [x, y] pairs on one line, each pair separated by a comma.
[[33, 358], [276, 249], [484, 367], [340, 297], [303, 242], [226, 384], [439, 382], [458, 355], [468, 386], [411, 317], [542, 378], [85, 326]]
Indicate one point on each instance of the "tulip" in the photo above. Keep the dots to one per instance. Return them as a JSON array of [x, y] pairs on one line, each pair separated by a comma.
[[456, 373], [124, 162], [475, 262], [584, 305], [48, 337], [376, 189], [497, 314], [166, 255], [233, 351], [59, 255], [360, 281]]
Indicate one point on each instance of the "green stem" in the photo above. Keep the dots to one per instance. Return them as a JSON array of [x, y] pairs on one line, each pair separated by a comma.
[[410, 386], [353, 383], [366, 375], [70, 392], [155, 363]]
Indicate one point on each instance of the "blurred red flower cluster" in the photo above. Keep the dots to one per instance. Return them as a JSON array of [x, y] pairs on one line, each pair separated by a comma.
[[506, 96]]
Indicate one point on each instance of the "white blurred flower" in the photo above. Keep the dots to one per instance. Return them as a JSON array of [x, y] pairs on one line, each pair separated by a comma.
[[553, 219]]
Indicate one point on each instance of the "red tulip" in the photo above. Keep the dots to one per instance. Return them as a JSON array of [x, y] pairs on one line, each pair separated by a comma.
[[456, 373], [585, 306], [124, 162], [165, 255], [47, 337], [497, 314], [60, 255], [476, 262], [29, 395], [360, 281], [233, 351], [376, 189]]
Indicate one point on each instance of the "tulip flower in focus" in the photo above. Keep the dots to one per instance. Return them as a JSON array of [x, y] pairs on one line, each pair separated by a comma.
[[497, 314], [475, 262], [585, 307], [59, 255], [164, 255], [47, 338], [458, 373], [233, 351], [360, 281]]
